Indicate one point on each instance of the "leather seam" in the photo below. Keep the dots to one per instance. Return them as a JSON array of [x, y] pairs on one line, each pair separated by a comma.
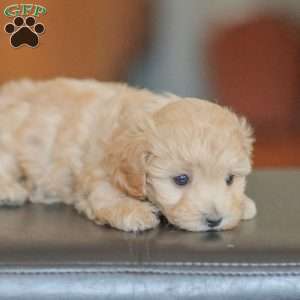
[[201, 264], [153, 272], [167, 264]]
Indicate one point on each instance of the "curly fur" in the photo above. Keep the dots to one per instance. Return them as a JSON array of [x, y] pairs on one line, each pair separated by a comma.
[[111, 151]]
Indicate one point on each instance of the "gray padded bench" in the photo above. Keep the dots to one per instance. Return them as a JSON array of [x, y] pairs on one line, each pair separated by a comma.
[[50, 252]]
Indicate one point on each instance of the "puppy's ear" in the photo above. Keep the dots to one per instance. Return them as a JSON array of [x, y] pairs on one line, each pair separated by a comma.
[[126, 159], [247, 135]]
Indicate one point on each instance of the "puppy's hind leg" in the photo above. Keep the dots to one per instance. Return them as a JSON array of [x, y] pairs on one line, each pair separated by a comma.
[[11, 191], [107, 205]]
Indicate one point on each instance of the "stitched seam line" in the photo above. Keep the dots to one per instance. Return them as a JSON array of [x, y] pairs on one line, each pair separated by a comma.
[[154, 272], [169, 264], [127, 263]]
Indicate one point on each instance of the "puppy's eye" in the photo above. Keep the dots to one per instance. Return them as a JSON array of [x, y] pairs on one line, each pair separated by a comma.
[[182, 179], [229, 179]]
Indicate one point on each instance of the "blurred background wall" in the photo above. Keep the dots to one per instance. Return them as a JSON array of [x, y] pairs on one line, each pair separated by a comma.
[[241, 53]]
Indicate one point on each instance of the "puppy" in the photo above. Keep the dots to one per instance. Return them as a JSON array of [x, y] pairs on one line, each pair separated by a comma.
[[119, 155]]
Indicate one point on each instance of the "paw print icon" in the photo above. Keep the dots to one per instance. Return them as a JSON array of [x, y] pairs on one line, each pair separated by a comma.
[[24, 32]]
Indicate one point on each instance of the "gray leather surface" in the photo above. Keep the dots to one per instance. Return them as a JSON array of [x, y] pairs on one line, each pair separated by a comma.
[[50, 252]]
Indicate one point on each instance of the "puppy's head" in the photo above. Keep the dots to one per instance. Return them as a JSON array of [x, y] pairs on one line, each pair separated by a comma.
[[191, 161]]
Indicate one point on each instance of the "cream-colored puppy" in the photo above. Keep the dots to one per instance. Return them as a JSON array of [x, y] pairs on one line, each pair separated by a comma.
[[120, 154]]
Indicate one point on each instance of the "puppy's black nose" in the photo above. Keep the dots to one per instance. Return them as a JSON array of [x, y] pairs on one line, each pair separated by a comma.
[[213, 222]]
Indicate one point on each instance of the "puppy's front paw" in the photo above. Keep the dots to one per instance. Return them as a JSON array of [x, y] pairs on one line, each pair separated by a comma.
[[142, 217], [130, 216], [249, 209], [12, 194]]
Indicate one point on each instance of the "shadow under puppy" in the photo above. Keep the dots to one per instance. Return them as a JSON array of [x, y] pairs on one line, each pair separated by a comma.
[[119, 154]]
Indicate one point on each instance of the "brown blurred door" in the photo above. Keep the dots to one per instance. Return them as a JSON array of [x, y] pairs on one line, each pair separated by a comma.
[[256, 71]]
